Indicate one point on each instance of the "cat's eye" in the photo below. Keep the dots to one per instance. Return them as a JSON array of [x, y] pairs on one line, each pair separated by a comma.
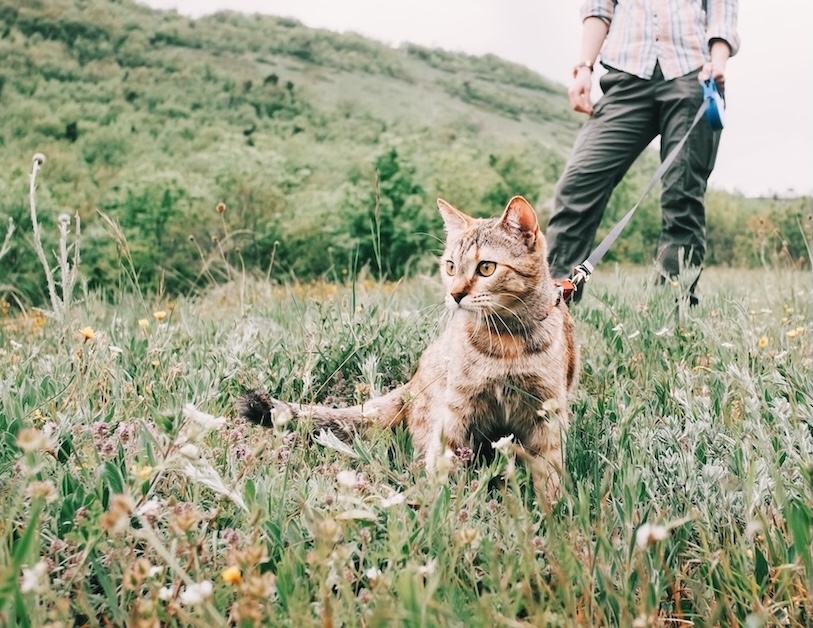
[[486, 269], [450, 267]]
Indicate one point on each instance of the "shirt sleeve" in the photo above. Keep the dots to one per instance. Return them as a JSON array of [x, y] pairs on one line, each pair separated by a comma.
[[721, 22], [598, 8]]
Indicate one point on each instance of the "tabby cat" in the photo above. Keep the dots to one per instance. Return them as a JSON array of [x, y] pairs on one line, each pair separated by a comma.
[[504, 365]]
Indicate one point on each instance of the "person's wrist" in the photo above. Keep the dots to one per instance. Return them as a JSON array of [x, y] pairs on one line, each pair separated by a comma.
[[581, 67]]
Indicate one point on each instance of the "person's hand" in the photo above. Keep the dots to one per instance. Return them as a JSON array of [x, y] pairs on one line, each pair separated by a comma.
[[579, 91], [712, 70]]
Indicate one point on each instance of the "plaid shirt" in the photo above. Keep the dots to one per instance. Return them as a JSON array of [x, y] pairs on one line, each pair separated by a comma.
[[674, 33]]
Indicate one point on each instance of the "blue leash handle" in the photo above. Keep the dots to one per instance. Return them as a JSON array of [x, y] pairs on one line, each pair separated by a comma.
[[714, 112]]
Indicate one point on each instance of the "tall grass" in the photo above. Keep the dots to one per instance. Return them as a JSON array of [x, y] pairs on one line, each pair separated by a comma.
[[127, 501]]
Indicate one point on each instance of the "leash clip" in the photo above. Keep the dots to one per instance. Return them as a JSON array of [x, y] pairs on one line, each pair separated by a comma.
[[714, 112], [568, 287]]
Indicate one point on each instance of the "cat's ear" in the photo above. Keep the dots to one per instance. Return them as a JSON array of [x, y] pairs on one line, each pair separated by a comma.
[[453, 219], [520, 217]]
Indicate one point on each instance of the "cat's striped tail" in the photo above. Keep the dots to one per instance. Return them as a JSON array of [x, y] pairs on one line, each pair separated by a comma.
[[387, 411]]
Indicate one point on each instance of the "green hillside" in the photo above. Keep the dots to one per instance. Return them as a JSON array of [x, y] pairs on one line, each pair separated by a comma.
[[328, 150]]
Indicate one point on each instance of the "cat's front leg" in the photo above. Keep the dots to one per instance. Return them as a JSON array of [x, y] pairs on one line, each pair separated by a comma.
[[546, 462], [445, 432]]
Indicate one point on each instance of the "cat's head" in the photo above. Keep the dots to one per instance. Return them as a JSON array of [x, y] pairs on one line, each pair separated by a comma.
[[494, 265]]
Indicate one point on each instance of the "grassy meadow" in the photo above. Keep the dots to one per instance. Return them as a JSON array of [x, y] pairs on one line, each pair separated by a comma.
[[133, 496]]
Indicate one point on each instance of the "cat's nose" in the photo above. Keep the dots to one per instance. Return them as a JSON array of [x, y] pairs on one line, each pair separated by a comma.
[[458, 296]]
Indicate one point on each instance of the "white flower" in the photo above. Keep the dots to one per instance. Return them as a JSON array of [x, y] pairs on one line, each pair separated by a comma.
[[150, 508], [650, 534], [429, 568], [504, 444], [154, 571], [373, 573], [346, 479], [200, 423], [195, 594], [33, 580], [165, 593], [190, 451], [393, 500]]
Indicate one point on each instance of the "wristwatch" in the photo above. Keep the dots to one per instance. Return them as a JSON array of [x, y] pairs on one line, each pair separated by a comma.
[[583, 64]]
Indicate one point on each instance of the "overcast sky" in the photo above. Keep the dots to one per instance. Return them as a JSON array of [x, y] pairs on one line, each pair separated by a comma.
[[767, 146]]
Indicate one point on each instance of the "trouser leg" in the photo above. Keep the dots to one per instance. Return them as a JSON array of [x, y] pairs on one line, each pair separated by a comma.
[[683, 235], [624, 122]]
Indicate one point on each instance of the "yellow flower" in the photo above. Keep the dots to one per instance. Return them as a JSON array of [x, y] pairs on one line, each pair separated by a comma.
[[142, 473], [87, 333], [792, 334], [231, 575], [159, 315], [143, 323], [762, 342], [800, 330], [155, 363]]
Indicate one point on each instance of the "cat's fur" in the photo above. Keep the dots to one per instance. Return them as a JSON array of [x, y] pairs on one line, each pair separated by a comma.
[[507, 350]]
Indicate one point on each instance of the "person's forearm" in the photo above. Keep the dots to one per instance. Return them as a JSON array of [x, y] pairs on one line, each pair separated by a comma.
[[720, 52], [594, 32]]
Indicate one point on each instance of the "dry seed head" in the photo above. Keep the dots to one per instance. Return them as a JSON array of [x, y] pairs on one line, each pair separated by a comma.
[[39, 159], [220, 207]]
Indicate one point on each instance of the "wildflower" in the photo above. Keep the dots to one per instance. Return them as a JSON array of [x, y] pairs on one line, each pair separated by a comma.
[[42, 490], [792, 333], [150, 509], [160, 315], [142, 473], [346, 479], [762, 342], [393, 500], [190, 451], [650, 534], [117, 517], [33, 580], [220, 207], [31, 440], [464, 454], [504, 444], [444, 463], [800, 330], [195, 594], [468, 536], [143, 323], [231, 575], [87, 333], [200, 422], [428, 568], [373, 573], [165, 594]]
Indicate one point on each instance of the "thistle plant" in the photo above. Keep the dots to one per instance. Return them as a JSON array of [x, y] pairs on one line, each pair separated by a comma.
[[68, 269]]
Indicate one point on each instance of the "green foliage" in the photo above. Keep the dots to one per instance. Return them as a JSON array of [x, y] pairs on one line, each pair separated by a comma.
[[154, 118]]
